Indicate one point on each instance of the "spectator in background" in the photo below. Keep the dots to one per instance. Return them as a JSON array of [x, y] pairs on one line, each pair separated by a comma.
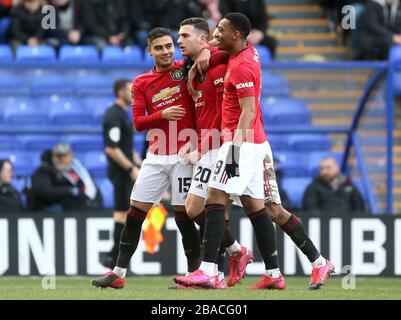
[[381, 27], [5, 6], [62, 183], [256, 11], [331, 193], [123, 162], [68, 30], [105, 22], [26, 23], [10, 199], [207, 9]]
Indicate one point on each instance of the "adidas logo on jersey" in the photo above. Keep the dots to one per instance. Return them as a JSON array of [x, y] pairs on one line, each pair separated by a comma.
[[199, 186]]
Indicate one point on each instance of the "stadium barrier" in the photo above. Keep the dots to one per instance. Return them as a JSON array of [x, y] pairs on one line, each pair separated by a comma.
[[40, 244]]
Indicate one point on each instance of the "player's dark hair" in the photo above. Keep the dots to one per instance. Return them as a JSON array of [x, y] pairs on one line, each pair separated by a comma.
[[239, 22], [118, 85], [158, 33], [198, 23]]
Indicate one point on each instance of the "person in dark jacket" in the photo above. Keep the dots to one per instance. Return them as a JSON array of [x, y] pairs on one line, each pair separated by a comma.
[[381, 27], [105, 22], [68, 28], [256, 11], [10, 199], [330, 193], [26, 23], [62, 184]]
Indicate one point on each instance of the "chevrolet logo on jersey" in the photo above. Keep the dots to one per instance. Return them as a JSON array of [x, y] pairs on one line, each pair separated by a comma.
[[165, 94]]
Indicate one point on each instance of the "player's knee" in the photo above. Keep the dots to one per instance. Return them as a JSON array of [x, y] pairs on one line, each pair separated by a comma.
[[277, 213], [141, 205], [192, 210]]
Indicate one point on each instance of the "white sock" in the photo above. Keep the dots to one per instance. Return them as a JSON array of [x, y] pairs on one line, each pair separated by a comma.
[[319, 262], [273, 273], [221, 276], [234, 248], [208, 268], [120, 272]]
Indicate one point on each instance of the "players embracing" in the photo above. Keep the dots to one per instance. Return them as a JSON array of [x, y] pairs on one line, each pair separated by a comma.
[[242, 165]]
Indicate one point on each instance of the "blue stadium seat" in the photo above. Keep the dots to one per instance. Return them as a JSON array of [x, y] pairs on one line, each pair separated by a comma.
[[23, 111], [12, 85], [264, 55], [97, 107], [79, 54], [41, 53], [295, 188], [9, 142], [286, 111], [139, 142], [107, 191], [6, 54], [64, 110], [96, 163], [94, 85], [51, 84], [40, 142], [277, 142], [309, 142], [131, 55], [80, 143], [291, 163], [4, 25], [275, 85], [22, 162]]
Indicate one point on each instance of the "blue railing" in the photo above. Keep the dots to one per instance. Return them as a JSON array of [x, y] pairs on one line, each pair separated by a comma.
[[382, 68]]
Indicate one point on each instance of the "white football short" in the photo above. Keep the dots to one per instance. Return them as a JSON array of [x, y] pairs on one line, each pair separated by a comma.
[[157, 173], [202, 173], [257, 178]]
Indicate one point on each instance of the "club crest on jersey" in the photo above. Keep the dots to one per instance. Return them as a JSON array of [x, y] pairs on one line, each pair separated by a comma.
[[177, 74], [165, 94]]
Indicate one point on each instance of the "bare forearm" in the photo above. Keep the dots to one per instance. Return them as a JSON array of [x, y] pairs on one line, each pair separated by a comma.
[[119, 157], [243, 126]]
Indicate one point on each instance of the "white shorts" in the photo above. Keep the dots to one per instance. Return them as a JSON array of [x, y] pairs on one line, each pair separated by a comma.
[[202, 173], [157, 173], [257, 178]]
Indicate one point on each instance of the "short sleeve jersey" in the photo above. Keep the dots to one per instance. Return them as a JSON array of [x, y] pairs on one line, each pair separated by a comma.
[[242, 79], [117, 133]]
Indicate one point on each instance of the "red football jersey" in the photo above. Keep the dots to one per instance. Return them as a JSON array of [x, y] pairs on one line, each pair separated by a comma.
[[243, 79], [209, 97], [152, 93]]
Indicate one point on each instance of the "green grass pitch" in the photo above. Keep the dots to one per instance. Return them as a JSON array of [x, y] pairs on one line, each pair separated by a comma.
[[156, 288]]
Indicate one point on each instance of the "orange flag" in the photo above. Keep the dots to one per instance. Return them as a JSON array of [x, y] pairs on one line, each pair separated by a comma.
[[152, 227]]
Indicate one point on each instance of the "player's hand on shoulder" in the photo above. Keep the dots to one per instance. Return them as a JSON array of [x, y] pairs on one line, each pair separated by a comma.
[[174, 113], [202, 62], [190, 82]]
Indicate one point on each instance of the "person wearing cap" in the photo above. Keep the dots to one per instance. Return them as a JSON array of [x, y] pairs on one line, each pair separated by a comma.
[[62, 183], [10, 199]]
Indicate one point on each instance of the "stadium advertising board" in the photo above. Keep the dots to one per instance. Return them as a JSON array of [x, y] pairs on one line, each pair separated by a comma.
[[72, 244]]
